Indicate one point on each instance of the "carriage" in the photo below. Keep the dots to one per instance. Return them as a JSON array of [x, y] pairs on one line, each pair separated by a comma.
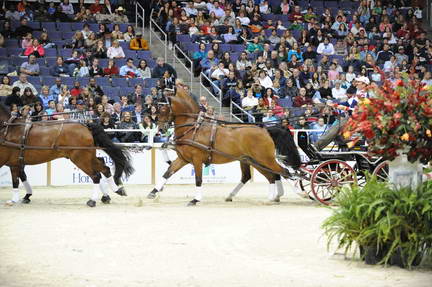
[[324, 173]]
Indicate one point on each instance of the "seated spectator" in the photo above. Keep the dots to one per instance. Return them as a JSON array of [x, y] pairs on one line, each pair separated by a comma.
[[137, 113], [319, 128], [5, 87], [119, 16], [244, 20], [90, 42], [269, 97], [136, 97], [78, 41], [129, 34], [82, 71], [45, 41], [326, 48], [148, 128], [107, 123], [254, 46], [60, 69], [302, 124], [29, 98], [168, 80], [127, 124], [138, 43], [23, 30], [249, 103], [161, 67], [338, 92], [96, 7], [22, 83], [27, 41], [51, 109], [73, 61], [95, 70], [46, 97], [14, 98], [301, 100], [31, 67], [111, 70], [116, 34], [264, 80], [106, 105], [37, 112], [67, 9], [390, 65], [94, 88], [115, 51], [427, 79], [270, 119], [144, 69], [129, 70], [99, 50], [76, 90], [296, 15], [65, 98], [35, 49]]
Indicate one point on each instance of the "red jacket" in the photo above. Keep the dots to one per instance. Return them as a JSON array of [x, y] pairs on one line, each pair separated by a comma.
[[30, 50], [111, 71]]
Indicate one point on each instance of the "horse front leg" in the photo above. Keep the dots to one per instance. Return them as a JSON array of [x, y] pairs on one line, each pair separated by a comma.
[[15, 172], [198, 183], [175, 166], [246, 176]]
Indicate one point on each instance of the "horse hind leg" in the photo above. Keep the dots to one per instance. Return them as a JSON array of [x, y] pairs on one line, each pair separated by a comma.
[[99, 165], [198, 183], [82, 159], [271, 177], [109, 179], [246, 176], [27, 186]]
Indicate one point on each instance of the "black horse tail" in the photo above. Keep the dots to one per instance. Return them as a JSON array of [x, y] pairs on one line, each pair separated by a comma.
[[285, 146], [120, 156]]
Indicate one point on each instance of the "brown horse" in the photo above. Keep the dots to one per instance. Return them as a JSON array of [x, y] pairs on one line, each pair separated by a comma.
[[208, 142], [49, 140]]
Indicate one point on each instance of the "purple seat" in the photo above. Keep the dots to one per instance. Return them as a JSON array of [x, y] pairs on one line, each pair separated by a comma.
[[94, 27], [35, 80], [151, 63], [68, 81], [111, 92], [34, 25], [103, 81], [268, 32], [37, 34], [124, 45], [126, 91], [285, 102], [146, 92], [150, 82], [14, 51], [119, 82], [225, 48], [67, 35], [234, 56], [103, 62], [266, 17], [144, 54], [123, 27], [59, 43], [44, 71], [120, 62], [237, 47], [3, 52], [48, 81], [130, 54], [12, 43], [296, 34], [136, 81], [77, 26], [50, 61], [183, 38], [51, 52], [17, 61], [49, 27], [55, 35], [63, 27], [65, 53], [83, 81]]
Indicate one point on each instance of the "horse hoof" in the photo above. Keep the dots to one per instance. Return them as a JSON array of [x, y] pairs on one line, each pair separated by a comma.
[[152, 194], [228, 199], [121, 191], [106, 199], [193, 202], [91, 203], [26, 200], [10, 203]]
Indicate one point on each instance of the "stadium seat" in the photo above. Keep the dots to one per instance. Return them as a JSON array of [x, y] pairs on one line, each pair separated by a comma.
[[48, 80], [50, 61], [285, 102], [150, 82], [50, 27], [119, 82], [94, 27], [51, 52], [55, 35], [111, 91], [35, 80], [130, 54], [34, 25], [136, 81], [144, 54], [3, 52], [103, 81], [67, 36], [44, 71], [65, 53], [77, 26], [103, 62], [68, 81], [64, 27]]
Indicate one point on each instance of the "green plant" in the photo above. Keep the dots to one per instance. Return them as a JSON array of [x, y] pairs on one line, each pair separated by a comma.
[[393, 221]]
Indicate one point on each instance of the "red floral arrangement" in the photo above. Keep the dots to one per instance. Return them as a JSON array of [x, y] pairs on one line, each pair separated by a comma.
[[397, 117]]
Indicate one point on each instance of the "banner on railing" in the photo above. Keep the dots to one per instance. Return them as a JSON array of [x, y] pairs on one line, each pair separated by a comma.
[[36, 175]]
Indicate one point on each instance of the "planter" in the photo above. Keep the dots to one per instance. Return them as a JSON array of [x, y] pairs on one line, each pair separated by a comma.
[[372, 255], [399, 259], [403, 173]]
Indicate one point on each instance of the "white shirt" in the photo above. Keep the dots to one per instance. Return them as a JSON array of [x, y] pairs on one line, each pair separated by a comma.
[[350, 77], [191, 11], [244, 20], [114, 52], [219, 12], [219, 72], [266, 82], [338, 93], [389, 66], [22, 87], [249, 102], [326, 49]]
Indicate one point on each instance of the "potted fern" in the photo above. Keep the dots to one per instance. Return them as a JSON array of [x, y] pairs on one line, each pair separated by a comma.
[[390, 226]]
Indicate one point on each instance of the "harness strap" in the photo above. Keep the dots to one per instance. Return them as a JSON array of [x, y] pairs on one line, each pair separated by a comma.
[[55, 144], [212, 139], [27, 127]]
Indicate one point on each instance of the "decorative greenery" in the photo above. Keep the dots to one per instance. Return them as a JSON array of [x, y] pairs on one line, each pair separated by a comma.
[[398, 116], [393, 221]]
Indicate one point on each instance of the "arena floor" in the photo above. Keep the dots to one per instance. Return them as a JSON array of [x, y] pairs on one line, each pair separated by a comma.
[[58, 241]]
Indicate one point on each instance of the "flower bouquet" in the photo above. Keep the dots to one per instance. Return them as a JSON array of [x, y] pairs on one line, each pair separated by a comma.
[[397, 118]]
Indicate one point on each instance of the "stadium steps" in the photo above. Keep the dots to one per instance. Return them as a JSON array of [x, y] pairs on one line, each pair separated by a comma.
[[157, 50]]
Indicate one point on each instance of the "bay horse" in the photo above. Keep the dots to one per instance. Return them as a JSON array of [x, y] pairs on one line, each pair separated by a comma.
[[30, 143], [209, 142]]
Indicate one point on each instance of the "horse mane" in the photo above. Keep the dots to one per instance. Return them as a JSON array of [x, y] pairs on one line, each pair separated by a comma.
[[182, 94]]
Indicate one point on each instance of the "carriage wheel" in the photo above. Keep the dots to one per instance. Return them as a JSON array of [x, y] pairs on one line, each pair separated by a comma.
[[329, 177], [382, 171], [305, 184]]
